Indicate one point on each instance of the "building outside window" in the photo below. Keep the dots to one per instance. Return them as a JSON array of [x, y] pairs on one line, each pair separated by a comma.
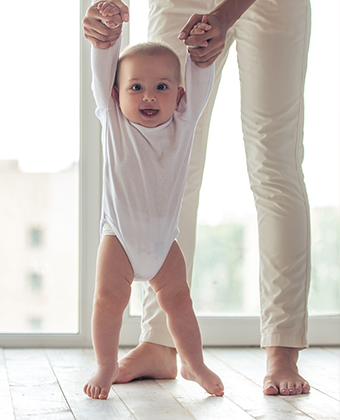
[[35, 237]]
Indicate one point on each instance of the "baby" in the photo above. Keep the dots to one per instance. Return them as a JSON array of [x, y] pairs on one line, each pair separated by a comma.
[[148, 122]]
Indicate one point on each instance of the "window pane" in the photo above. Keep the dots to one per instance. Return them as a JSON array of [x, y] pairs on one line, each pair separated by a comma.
[[226, 271], [39, 170]]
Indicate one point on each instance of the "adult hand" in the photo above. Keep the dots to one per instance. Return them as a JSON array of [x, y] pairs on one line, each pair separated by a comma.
[[97, 32], [205, 48]]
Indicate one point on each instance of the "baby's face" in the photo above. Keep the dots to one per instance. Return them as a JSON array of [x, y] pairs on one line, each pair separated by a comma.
[[148, 91]]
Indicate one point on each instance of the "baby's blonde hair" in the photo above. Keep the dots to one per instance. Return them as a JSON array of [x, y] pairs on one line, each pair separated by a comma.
[[151, 48]]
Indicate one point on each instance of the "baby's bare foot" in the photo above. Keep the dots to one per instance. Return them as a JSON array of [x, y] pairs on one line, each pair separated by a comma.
[[204, 377], [282, 373], [148, 360], [98, 386]]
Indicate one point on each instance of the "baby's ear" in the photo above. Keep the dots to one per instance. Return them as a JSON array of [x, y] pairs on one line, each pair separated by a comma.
[[115, 94], [180, 93]]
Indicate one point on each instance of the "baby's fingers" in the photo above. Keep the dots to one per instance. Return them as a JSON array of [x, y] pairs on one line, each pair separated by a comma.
[[203, 26], [111, 24], [197, 31], [112, 21], [200, 28], [111, 10], [108, 9]]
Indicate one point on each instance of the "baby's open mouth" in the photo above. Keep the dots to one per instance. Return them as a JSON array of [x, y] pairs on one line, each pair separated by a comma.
[[149, 112]]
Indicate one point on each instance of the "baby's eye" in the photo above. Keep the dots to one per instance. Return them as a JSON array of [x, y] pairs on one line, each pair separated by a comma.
[[162, 86], [136, 87]]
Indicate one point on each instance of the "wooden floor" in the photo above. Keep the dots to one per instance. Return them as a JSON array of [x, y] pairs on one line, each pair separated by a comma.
[[47, 384]]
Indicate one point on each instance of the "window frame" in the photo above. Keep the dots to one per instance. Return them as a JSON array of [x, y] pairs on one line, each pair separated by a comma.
[[240, 331]]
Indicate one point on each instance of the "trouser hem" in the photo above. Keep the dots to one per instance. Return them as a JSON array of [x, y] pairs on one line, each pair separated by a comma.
[[156, 337], [277, 340]]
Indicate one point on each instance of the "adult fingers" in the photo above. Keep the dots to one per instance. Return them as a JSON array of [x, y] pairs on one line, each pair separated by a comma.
[[124, 10], [100, 35], [206, 55], [100, 44]]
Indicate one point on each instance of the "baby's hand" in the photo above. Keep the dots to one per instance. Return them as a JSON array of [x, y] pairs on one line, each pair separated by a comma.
[[108, 9], [199, 29]]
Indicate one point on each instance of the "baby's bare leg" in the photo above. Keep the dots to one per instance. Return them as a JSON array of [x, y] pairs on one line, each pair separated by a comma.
[[113, 287], [173, 295]]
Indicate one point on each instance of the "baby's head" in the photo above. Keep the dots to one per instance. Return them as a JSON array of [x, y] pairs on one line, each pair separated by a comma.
[[148, 83]]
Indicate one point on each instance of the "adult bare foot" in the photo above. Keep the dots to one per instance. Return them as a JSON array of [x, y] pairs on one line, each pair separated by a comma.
[[204, 377], [148, 360], [282, 373], [98, 386]]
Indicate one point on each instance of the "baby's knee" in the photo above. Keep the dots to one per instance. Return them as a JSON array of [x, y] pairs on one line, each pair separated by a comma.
[[108, 300], [175, 300]]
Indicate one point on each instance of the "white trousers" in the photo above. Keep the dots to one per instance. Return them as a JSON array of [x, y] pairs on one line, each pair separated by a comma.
[[272, 39]]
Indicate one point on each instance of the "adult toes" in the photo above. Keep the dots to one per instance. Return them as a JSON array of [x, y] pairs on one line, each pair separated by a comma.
[[284, 389], [269, 388], [291, 388], [305, 388], [298, 389]]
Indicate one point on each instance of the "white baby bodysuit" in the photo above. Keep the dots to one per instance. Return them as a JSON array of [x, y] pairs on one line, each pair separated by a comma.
[[145, 169]]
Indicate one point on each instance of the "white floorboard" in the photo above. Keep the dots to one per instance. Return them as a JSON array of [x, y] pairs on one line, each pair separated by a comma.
[[47, 384]]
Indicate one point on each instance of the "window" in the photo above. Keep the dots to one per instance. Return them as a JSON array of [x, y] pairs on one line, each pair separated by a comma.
[[35, 282], [35, 324], [39, 175], [35, 237], [50, 184]]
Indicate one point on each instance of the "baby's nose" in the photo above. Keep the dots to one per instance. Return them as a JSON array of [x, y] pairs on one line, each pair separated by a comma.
[[149, 96]]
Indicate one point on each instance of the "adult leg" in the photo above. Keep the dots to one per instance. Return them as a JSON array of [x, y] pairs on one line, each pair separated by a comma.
[[113, 287], [272, 45], [173, 295], [153, 320]]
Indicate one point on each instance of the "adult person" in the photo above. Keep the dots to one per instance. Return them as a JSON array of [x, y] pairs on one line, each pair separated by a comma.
[[272, 40]]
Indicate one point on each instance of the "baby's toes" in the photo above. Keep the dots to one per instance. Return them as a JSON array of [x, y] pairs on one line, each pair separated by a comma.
[[103, 394], [215, 389], [219, 390]]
